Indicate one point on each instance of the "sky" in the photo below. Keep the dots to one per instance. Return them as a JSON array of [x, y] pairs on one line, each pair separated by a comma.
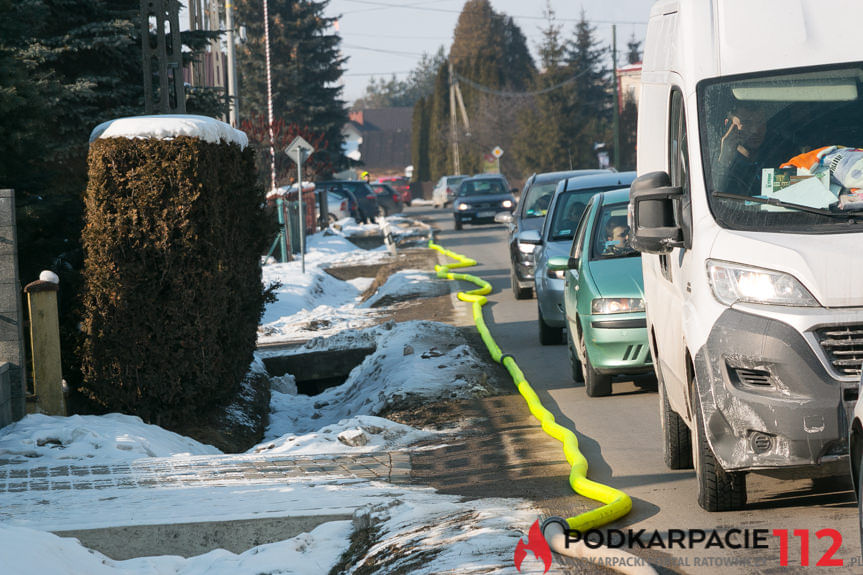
[[385, 37]]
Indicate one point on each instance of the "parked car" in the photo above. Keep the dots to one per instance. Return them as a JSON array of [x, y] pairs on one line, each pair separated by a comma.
[[389, 200], [605, 323], [480, 198], [362, 193], [529, 215], [338, 206], [401, 185], [555, 239], [445, 190]]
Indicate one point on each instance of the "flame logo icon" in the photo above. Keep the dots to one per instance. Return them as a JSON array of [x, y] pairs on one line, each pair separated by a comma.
[[536, 543]]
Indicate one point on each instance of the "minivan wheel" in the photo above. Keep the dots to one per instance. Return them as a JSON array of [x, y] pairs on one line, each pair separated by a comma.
[[677, 440], [548, 335], [519, 292], [595, 384], [574, 363], [718, 490]]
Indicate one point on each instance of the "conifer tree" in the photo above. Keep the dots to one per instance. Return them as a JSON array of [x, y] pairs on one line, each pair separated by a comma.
[[306, 66]]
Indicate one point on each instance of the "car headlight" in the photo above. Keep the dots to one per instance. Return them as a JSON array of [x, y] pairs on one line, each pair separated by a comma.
[[526, 248], [506, 203], [463, 206], [556, 274], [739, 283], [606, 305]]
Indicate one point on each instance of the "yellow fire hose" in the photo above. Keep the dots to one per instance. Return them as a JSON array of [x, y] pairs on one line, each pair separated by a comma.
[[616, 503]]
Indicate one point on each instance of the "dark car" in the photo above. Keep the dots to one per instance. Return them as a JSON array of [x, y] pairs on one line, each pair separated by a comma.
[[530, 214], [480, 199], [402, 186], [389, 200], [362, 193]]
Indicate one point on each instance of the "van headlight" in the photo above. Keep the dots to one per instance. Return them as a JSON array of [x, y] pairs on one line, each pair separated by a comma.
[[463, 206], [738, 283], [506, 203], [606, 305]]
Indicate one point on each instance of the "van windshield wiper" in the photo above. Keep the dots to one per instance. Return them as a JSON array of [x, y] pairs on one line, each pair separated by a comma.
[[799, 207]]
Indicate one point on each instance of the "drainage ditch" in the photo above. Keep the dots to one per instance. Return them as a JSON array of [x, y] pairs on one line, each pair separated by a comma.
[[317, 371]]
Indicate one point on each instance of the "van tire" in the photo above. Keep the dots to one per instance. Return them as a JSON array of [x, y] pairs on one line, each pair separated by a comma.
[[548, 335], [595, 384], [574, 363], [677, 439], [718, 490]]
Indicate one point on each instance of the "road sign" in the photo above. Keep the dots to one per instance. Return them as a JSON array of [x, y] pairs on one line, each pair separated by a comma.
[[299, 150], [497, 152]]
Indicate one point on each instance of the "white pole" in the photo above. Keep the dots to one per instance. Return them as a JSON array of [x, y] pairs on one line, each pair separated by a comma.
[[302, 213], [233, 93], [269, 96]]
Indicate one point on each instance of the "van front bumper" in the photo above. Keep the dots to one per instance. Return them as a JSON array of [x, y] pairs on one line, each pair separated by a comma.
[[768, 400]]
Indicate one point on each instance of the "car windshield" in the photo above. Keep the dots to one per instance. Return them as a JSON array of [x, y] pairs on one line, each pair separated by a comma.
[[482, 187], [784, 152], [568, 209], [538, 198], [611, 234]]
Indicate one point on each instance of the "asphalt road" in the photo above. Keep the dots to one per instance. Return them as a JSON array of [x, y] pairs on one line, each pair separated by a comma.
[[620, 436]]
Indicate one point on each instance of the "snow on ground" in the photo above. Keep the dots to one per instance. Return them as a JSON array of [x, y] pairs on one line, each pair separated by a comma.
[[50, 440], [414, 528], [407, 368]]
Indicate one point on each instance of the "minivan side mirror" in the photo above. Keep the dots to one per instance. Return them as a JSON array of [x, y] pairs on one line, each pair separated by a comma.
[[652, 218], [531, 237]]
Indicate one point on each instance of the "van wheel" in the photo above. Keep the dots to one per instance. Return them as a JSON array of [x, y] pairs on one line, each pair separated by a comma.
[[548, 335], [718, 490], [677, 440], [519, 292], [595, 384], [574, 363]]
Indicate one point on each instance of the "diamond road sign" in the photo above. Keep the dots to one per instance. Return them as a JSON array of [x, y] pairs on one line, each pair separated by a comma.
[[299, 150], [497, 152]]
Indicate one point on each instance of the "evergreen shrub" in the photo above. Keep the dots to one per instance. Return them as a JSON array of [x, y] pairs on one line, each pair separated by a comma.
[[173, 236]]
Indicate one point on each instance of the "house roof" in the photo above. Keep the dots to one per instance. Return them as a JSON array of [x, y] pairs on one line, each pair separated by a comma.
[[384, 119]]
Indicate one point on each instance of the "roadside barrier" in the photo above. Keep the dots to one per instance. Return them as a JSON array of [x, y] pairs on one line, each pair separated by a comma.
[[616, 503]]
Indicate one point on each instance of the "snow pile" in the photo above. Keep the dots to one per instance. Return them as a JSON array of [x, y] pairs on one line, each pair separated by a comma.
[[46, 440], [406, 285], [359, 434], [308, 553], [168, 127], [407, 367]]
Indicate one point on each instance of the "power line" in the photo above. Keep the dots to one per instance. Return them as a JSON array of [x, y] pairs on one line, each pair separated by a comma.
[[393, 52], [423, 8], [507, 94]]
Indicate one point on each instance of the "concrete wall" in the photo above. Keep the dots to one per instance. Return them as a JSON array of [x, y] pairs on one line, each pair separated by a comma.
[[12, 382]]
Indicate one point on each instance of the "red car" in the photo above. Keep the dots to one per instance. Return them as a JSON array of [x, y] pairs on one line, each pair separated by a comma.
[[402, 185]]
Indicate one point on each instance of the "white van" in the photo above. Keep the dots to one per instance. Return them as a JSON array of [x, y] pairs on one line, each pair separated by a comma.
[[749, 217]]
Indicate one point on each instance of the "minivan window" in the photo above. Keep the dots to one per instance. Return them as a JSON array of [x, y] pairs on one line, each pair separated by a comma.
[[783, 152]]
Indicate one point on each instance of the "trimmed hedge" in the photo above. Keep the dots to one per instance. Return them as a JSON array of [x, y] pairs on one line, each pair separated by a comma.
[[173, 236]]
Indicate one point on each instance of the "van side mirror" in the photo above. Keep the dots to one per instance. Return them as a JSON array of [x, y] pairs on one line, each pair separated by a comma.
[[652, 217]]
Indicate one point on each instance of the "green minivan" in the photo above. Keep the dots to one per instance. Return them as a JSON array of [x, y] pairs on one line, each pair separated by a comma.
[[603, 297]]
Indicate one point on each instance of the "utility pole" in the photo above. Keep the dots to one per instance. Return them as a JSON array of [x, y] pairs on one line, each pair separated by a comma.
[[453, 121], [616, 116], [233, 92]]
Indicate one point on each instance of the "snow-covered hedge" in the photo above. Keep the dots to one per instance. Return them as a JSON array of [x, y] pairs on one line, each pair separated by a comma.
[[173, 237]]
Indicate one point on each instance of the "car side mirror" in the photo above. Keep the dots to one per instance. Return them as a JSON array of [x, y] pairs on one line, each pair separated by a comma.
[[531, 237], [652, 219], [557, 263], [513, 191]]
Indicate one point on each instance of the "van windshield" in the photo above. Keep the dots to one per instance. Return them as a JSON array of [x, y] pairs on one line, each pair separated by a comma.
[[784, 151]]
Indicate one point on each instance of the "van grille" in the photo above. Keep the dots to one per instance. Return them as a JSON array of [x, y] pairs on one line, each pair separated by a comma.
[[843, 346]]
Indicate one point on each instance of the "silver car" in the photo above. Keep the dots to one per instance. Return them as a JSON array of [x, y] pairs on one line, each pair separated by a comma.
[[445, 190], [555, 239]]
